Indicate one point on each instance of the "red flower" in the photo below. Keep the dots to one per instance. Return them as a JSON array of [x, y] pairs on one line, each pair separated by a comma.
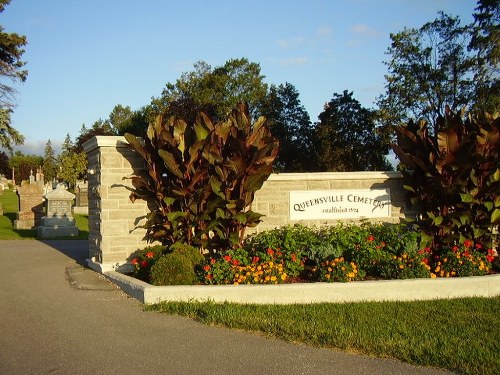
[[135, 261], [236, 262], [144, 263], [427, 250], [490, 258], [426, 261], [468, 243], [479, 246], [206, 267], [150, 254], [294, 257], [212, 260], [255, 260], [227, 258], [455, 249], [370, 238], [382, 244], [270, 252]]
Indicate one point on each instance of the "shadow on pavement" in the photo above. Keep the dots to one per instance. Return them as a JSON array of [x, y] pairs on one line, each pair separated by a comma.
[[77, 250]]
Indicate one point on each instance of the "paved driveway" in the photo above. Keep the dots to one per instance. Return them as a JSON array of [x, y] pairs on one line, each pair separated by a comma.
[[57, 317]]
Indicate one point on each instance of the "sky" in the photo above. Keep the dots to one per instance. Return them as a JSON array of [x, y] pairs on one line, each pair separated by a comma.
[[86, 56]]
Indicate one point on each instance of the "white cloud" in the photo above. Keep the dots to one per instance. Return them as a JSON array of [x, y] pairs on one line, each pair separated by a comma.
[[294, 61], [291, 42], [324, 31], [364, 30]]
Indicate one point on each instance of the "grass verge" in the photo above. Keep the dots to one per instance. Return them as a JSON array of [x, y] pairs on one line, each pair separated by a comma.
[[461, 335], [10, 204]]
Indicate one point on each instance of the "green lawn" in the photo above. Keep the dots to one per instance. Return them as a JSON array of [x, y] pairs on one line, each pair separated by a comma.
[[10, 204], [462, 335]]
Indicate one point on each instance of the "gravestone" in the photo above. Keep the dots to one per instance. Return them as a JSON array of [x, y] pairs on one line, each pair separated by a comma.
[[30, 206], [81, 194], [59, 220]]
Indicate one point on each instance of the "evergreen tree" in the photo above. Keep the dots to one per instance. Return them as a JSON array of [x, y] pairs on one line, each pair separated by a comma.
[[49, 166]]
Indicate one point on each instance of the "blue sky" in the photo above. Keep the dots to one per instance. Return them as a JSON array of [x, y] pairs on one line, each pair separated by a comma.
[[84, 57]]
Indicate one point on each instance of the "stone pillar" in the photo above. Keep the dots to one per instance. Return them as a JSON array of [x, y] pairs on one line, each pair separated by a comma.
[[30, 206], [113, 219], [59, 221]]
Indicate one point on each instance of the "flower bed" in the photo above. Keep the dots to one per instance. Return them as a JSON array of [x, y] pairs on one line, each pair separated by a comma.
[[343, 253]]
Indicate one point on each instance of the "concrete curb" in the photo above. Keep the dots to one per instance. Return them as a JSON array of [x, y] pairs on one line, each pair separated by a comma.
[[384, 290]]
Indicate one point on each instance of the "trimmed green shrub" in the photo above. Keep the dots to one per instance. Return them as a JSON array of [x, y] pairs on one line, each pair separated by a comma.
[[173, 269]]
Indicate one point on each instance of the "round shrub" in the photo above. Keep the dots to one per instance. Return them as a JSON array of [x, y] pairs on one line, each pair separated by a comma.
[[173, 269], [190, 252]]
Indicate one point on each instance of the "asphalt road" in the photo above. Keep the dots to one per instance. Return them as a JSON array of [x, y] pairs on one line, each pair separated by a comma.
[[57, 317]]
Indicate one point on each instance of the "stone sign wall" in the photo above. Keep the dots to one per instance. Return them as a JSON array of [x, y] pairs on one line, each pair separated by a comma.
[[114, 220]]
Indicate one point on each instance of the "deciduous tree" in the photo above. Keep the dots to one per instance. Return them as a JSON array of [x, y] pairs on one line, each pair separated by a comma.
[[289, 122], [347, 137], [428, 68]]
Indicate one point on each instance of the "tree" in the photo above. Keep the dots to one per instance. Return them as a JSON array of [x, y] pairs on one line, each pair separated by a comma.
[[428, 69], [73, 166], [11, 72], [24, 165], [67, 145], [485, 43], [100, 127], [124, 120], [49, 166], [214, 91], [289, 122], [4, 164], [347, 137]]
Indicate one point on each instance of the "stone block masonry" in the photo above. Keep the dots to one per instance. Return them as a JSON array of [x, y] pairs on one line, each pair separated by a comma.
[[114, 233]]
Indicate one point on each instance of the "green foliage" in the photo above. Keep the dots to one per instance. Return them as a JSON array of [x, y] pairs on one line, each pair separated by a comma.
[[11, 69], [239, 266], [202, 177], [214, 91], [453, 178], [23, 165], [49, 166], [467, 259], [178, 267], [338, 270], [289, 122], [173, 269], [73, 166], [428, 68], [347, 138], [144, 259]]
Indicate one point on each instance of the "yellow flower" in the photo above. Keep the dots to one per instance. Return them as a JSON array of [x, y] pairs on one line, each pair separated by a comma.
[[343, 268], [433, 276], [401, 266], [283, 276], [405, 256], [341, 259], [330, 269], [350, 274], [327, 276], [437, 269], [273, 278]]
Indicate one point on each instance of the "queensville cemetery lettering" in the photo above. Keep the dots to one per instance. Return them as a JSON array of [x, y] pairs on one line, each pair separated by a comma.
[[340, 204]]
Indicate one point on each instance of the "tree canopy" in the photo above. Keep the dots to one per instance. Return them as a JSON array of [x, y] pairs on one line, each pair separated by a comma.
[[347, 137], [11, 71], [214, 91]]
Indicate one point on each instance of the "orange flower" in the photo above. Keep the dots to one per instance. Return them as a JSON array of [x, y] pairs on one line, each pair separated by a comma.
[[468, 243], [270, 252], [370, 238], [212, 260], [135, 261], [227, 258], [206, 267], [150, 254]]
